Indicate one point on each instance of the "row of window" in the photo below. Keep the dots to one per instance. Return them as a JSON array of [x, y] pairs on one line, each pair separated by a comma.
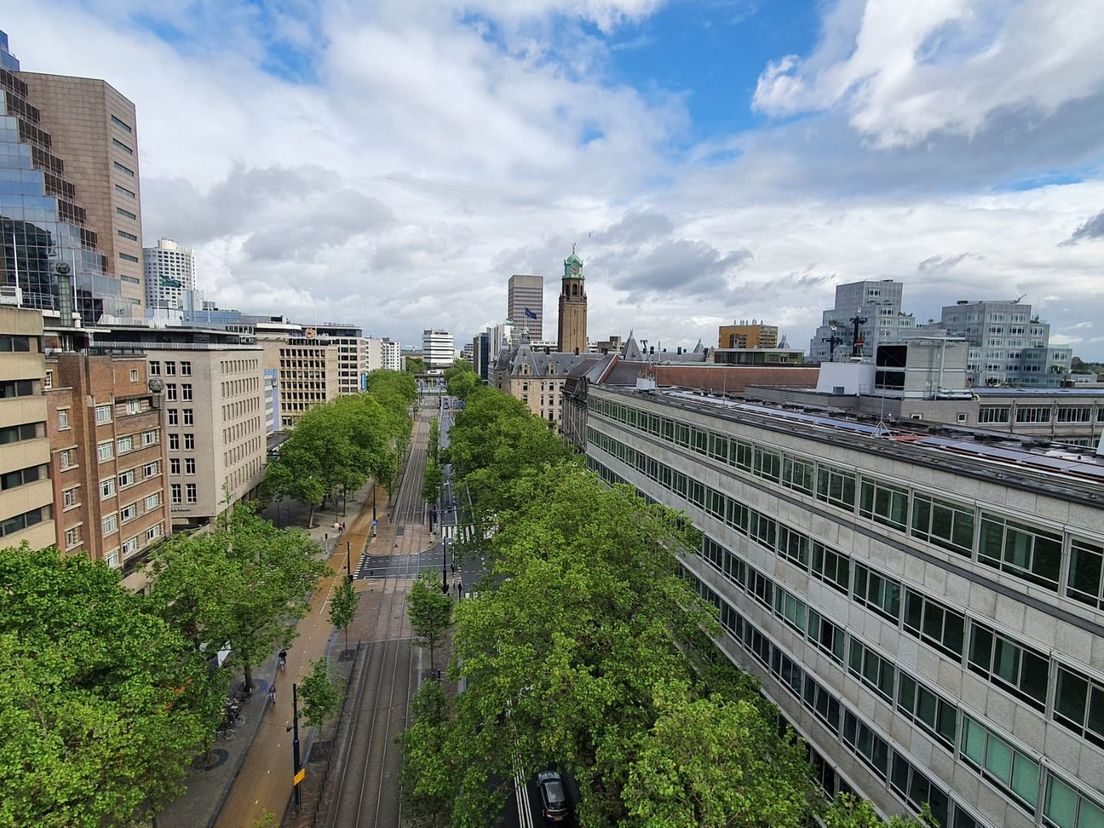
[[1018, 669], [127, 513], [1033, 554], [21, 477], [19, 433], [15, 342], [131, 546], [178, 493], [130, 442], [17, 523], [176, 416], [170, 368], [18, 388], [908, 781], [186, 392], [127, 479]]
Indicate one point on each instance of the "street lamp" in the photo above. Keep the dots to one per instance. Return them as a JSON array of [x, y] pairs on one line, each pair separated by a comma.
[[444, 558], [296, 767]]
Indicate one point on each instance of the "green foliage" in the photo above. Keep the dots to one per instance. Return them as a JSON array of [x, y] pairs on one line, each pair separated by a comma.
[[414, 365], [430, 611], [431, 482], [103, 704], [245, 583], [433, 444], [318, 695], [461, 380], [847, 811], [427, 773], [343, 606]]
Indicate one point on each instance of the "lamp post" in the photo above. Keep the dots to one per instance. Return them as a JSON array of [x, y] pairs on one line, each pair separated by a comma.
[[348, 562], [444, 558], [294, 727]]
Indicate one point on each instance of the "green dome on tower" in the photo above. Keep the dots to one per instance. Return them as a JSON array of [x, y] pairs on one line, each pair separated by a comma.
[[573, 266]]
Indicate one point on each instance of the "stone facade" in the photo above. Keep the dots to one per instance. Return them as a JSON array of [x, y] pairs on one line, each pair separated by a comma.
[[572, 337]]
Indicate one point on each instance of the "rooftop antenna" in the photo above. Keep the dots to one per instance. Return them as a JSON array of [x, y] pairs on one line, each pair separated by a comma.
[[857, 339]]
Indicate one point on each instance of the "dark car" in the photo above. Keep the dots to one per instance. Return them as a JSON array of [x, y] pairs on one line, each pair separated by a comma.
[[553, 797]]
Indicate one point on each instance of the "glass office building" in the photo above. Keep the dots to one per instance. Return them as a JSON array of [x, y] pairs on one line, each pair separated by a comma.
[[42, 225]]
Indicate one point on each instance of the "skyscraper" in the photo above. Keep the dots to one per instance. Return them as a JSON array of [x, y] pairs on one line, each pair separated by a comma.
[[93, 129], [45, 230], [573, 308], [877, 304], [525, 304], [169, 270]]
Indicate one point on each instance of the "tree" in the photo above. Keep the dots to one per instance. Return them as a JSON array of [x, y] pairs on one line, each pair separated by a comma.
[[430, 613], [848, 811], [246, 584], [461, 380], [427, 775], [414, 365], [343, 607], [103, 704], [319, 696], [431, 483]]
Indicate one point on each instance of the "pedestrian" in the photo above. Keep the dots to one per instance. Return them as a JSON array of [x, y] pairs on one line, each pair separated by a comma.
[[283, 659], [459, 590], [272, 693]]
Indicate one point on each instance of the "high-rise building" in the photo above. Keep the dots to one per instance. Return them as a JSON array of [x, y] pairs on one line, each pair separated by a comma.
[[26, 497], [482, 356], [746, 334], [876, 306], [391, 355], [572, 337], [437, 349], [45, 231], [93, 129], [525, 304], [924, 605], [1009, 345], [169, 270], [353, 354], [110, 469]]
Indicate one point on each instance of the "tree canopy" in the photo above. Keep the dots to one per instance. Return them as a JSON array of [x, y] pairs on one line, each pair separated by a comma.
[[103, 703], [430, 612], [461, 380]]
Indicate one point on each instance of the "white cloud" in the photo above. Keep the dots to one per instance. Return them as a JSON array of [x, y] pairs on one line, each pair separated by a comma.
[[914, 69]]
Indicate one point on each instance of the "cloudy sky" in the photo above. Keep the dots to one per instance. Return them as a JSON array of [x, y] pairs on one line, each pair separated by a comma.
[[391, 163]]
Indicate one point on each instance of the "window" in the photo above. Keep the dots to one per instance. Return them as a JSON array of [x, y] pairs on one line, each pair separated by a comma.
[[1033, 414], [987, 414], [943, 524], [1068, 808], [1019, 670], [1086, 568], [72, 537], [933, 623], [124, 444], [1079, 705], [65, 459], [134, 375], [174, 466], [112, 558], [189, 417], [189, 442], [103, 414], [1032, 554], [120, 145], [16, 388], [69, 497], [174, 417], [107, 488], [936, 715], [740, 455], [798, 475], [125, 170], [881, 594], [870, 747], [123, 191], [1014, 771], [130, 546], [826, 635], [126, 478], [152, 501], [170, 391], [794, 545], [876, 672], [63, 421], [133, 406], [126, 257], [155, 368], [831, 567], [128, 512], [123, 234], [105, 451], [174, 442], [189, 465], [192, 493], [151, 469], [185, 369], [791, 608], [174, 493], [14, 342], [883, 503], [170, 369], [186, 391], [153, 532], [1073, 414], [20, 522], [768, 463], [110, 524], [20, 477], [836, 487], [121, 124], [149, 438], [823, 703]]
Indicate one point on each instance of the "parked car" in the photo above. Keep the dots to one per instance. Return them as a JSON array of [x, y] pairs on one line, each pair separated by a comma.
[[553, 796]]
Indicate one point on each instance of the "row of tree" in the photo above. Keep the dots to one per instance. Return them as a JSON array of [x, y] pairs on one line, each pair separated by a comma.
[[338, 445], [107, 695], [587, 651]]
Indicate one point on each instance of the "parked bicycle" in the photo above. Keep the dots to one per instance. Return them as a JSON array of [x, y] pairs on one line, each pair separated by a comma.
[[226, 733]]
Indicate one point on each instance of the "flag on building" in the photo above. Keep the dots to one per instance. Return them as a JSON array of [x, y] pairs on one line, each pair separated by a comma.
[[529, 314]]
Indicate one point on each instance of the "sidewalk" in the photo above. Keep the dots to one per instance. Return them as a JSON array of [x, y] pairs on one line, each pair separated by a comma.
[[266, 772]]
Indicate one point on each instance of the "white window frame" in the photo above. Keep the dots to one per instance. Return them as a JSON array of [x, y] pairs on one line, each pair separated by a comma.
[[103, 414], [107, 488], [105, 451], [127, 478], [110, 524]]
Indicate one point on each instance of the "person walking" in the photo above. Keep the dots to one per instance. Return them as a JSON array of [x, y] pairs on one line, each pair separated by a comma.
[[272, 693], [282, 657]]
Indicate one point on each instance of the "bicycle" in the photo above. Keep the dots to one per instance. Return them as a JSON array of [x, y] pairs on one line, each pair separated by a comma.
[[226, 733], [281, 660], [272, 694], [235, 718]]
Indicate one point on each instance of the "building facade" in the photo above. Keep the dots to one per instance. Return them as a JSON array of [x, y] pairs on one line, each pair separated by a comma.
[[525, 304], [26, 489], [273, 423], [572, 337], [353, 354], [169, 271], [94, 130], [390, 355], [1009, 345], [437, 349], [109, 469], [536, 377], [927, 610], [746, 334], [482, 356], [307, 371], [877, 304]]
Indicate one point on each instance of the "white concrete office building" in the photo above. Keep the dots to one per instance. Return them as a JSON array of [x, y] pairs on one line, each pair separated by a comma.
[[437, 349], [925, 608], [390, 355], [169, 271]]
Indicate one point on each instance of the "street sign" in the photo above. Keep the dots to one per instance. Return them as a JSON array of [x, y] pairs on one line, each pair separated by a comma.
[[299, 777], [375, 523]]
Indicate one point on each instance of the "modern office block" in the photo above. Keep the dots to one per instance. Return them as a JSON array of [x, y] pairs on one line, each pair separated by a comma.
[[26, 496], [876, 305], [525, 304], [926, 608], [438, 350], [391, 355], [169, 273]]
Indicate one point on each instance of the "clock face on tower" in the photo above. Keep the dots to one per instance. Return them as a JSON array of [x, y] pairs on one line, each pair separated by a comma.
[[575, 270]]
